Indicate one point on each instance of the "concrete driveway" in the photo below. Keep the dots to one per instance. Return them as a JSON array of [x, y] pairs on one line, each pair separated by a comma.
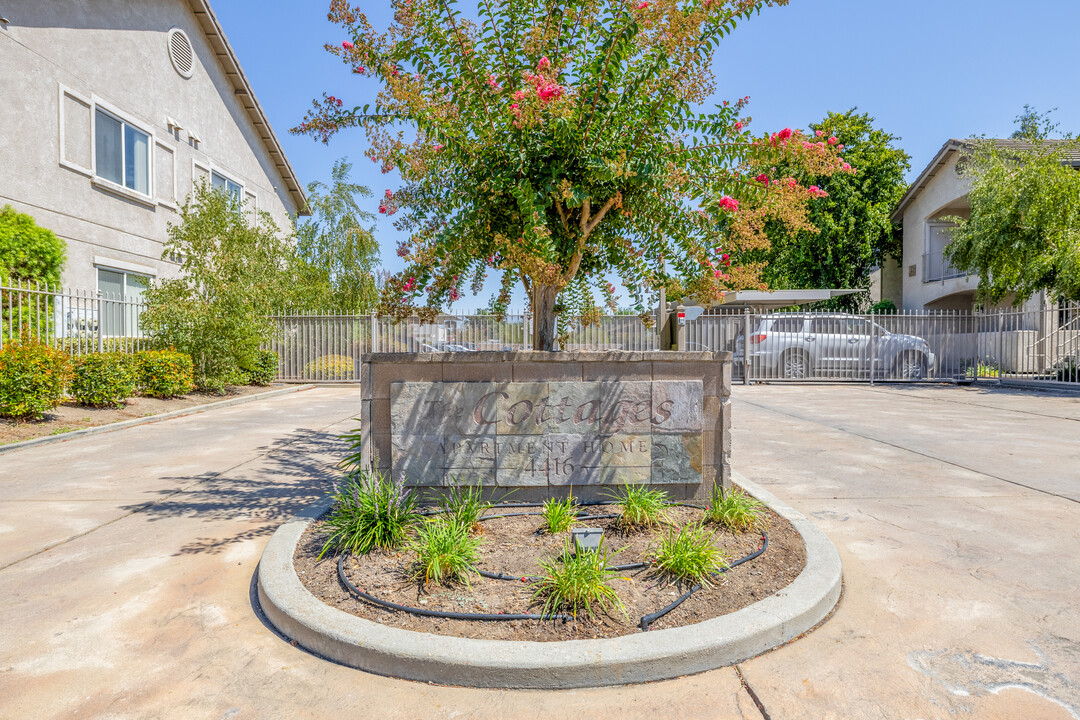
[[126, 563]]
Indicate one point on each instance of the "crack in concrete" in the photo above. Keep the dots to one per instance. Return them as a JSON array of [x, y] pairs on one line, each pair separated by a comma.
[[753, 695]]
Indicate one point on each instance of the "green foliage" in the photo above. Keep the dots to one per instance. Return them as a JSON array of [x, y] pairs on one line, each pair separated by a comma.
[[32, 378], [641, 507], [556, 144], [263, 370], [463, 505], [336, 254], [1067, 370], [165, 373], [688, 554], [576, 582], [89, 343], [28, 252], [370, 511], [354, 439], [329, 367], [855, 232], [1023, 232], [234, 272], [884, 307], [735, 510], [104, 379], [445, 553], [559, 515]]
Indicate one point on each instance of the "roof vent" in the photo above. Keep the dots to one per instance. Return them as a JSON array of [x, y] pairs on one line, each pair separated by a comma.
[[181, 53]]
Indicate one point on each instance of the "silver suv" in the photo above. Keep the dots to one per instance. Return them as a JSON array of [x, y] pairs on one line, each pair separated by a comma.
[[806, 345]]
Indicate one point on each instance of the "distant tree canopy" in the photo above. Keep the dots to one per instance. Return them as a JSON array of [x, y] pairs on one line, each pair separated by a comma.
[[29, 252], [855, 232], [337, 255], [1023, 233]]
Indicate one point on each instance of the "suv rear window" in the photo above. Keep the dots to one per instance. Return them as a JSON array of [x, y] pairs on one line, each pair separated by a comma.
[[788, 324]]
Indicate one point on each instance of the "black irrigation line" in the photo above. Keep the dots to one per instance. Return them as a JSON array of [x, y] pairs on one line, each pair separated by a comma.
[[647, 620], [644, 623]]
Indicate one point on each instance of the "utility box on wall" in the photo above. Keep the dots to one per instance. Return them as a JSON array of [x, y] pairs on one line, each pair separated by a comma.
[[542, 423]]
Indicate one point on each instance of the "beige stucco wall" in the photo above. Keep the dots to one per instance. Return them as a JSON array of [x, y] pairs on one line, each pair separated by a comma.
[[943, 190], [115, 52]]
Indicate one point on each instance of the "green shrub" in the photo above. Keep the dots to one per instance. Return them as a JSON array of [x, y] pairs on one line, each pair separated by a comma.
[[329, 367], [165, 373], [263, 369], [641, 507], [370, 511], [577, 582], [101, 379], [88, 343], [32, 378], [559, 515], [688, 554], [884, 307], [445, 552], [463, 505], [735, 510], [1067, 370]]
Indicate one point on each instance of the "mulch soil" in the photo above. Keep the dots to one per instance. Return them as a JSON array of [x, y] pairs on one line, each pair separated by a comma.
[[70, 416], [516, 546]]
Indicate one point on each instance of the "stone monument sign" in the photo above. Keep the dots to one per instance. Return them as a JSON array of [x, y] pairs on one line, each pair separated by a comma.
[[515, 434]]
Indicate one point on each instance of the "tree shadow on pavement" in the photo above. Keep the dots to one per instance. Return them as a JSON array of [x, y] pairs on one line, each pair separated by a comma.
[[258, 495]]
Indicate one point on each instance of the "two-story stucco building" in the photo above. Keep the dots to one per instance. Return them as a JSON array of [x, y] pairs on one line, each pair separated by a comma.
[[112, 112], [926, 280]]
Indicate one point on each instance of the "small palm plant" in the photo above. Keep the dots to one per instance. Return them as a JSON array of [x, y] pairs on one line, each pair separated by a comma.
[[445, 553], [370, 511], [559, 515], [735, 510], [641, 507], [688, 554], [577, 582]]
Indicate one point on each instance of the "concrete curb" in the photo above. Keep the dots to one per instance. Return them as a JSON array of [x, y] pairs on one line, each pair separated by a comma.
[[194, 409], [644, 657]]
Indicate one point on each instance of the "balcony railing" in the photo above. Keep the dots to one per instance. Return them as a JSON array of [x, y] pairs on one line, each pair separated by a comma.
[[936, 267]]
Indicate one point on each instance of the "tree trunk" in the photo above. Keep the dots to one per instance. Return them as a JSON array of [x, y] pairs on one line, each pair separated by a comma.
[[543, 309]]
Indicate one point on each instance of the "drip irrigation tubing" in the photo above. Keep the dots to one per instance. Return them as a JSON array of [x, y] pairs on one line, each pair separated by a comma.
[[647, 620], [644, 623], [490, 617]]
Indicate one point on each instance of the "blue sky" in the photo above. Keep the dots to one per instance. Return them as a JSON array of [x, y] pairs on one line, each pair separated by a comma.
[[927, 70]]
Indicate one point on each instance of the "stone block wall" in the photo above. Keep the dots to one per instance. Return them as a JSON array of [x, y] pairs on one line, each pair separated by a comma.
[[433, 445]]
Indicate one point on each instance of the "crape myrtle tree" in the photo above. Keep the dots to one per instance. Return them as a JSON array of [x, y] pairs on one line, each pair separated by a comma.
[[558, 143]]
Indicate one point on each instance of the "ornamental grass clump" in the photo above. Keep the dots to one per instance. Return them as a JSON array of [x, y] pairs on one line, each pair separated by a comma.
[[689, 555], [464, 505], [575, 582], [641, 507], [559, 515], [445, 553], [735, 510], [370, 511]]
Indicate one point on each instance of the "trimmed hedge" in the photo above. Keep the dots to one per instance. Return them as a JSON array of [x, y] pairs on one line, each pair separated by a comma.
[[264, 369], [103, 379], [329, 367], [32, 378], [165, 373]]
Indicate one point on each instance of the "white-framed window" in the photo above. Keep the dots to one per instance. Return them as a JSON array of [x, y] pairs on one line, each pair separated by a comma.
[[122, 152], [121, 293], [219, 180]]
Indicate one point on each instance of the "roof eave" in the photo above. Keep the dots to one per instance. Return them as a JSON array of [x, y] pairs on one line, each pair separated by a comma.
[[925, 177], [242, 88]]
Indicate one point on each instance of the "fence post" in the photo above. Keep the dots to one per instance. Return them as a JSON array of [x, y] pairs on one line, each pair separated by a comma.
[[746, 347], [100, 324], [1001, 345], [873, 347]]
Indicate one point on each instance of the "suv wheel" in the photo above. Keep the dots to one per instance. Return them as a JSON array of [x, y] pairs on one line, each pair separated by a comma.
[[912, 366], [795, 365]]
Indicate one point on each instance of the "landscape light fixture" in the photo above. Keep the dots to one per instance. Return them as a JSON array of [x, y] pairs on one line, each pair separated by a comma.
[[587, 539]]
